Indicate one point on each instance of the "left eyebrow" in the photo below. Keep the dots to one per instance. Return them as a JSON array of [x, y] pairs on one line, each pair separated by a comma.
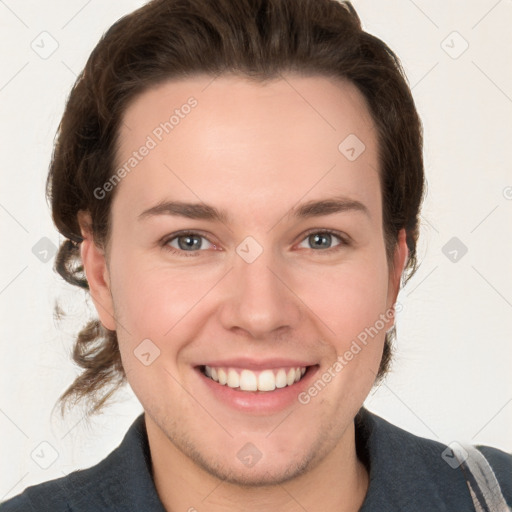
[[328, 207]]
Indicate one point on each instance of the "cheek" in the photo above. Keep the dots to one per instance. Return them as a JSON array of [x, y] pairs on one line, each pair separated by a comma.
[[155, 301], [347, 299]]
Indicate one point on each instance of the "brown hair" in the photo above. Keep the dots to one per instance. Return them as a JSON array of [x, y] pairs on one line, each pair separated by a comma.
[[259, 39]]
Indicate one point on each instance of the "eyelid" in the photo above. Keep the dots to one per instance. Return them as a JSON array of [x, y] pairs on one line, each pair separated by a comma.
[[344, 240], [164, 242]]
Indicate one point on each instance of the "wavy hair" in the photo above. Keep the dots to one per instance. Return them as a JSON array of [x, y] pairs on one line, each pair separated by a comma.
[[259, 39]]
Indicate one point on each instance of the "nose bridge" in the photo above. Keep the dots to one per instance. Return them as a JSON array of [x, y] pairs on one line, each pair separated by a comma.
[[258, 300]]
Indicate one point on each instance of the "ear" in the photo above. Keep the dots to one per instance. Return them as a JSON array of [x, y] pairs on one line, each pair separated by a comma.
[[96, 272], [395, 272]]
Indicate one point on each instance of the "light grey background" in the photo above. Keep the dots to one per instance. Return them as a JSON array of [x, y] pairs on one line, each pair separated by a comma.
[[451, 377]]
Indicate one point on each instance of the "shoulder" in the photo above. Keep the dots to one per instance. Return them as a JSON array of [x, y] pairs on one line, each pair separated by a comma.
[[68, 493], [46, 496], [121, 481], [415, 473]]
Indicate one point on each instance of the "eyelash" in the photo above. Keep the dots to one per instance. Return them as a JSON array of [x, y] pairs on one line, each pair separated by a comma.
[[344, 242]]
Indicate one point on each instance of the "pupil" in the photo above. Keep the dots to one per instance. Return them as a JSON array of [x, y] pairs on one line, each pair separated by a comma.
[[189, 242], [320, 240]]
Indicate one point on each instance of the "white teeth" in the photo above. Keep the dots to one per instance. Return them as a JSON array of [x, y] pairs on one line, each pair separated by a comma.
[[233, 379], [266, 381], [223, 378], [281, 378], [247, 380]]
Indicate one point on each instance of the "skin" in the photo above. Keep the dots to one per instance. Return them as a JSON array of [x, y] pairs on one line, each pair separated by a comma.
[[256, 151]]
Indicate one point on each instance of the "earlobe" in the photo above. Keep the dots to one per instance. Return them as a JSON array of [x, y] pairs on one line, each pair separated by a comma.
[[400, 259], [401, 255], [96, 271]]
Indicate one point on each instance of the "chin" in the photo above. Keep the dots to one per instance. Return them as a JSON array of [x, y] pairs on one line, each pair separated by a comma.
[[266, 475]]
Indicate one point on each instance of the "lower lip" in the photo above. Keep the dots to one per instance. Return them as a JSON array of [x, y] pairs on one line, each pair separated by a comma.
[[259, 402]]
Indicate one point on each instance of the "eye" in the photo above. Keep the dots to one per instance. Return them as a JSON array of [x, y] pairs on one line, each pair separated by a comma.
[[187, 242], [323, 240]]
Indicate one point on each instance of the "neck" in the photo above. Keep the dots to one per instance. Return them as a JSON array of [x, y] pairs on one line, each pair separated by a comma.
[[338, 482]]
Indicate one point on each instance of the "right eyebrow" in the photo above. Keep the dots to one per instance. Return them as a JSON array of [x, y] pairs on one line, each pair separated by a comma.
[[199, 211]]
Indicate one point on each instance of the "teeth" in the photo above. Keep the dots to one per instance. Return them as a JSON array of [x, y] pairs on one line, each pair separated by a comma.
[[233, 379], [247, 380], [281, 378], [222, 376], [266, 381]]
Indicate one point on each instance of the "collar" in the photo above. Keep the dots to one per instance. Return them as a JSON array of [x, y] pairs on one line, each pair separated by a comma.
[[406, 472]]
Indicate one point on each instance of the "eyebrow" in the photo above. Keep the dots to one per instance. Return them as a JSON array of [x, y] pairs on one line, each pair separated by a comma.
[[202, 211]]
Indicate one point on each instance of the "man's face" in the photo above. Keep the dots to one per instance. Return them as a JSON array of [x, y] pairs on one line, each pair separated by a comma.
[[270, 289]]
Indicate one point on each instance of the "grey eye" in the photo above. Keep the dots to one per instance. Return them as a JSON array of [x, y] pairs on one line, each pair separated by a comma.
[[320, 240], [189, 242]]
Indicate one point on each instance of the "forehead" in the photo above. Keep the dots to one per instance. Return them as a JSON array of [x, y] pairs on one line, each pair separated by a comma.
[[230, 140]]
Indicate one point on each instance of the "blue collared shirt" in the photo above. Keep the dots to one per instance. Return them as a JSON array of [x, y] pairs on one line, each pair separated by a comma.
[[407, 473]]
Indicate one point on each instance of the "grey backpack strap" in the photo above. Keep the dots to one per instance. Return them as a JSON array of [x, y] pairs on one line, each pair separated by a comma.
[[482, 483]]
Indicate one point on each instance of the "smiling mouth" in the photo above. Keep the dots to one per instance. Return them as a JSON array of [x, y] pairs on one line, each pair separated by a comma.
[[248, 380]]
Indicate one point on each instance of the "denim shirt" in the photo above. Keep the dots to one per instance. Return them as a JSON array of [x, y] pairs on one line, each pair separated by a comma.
[[407, 473]]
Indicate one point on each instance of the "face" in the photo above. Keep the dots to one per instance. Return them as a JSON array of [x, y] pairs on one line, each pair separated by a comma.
[[246, 262]]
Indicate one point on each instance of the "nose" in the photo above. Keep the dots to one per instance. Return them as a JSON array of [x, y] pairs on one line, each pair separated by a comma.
[[260, 300]]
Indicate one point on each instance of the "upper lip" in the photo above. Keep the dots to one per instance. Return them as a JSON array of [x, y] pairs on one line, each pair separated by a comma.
[[258, 364]]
